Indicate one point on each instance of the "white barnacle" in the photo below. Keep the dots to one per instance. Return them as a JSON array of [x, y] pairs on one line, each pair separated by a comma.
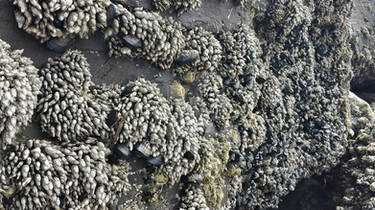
[[19, 87]]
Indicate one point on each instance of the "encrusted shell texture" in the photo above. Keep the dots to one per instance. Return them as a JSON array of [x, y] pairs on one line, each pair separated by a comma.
[[39, 174], [19, 87], [61, 18], [72, 107]]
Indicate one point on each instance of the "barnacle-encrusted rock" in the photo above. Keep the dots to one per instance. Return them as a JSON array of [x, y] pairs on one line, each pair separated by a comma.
[[193, 198], [148, 34], [165, 132], [61, 18], [162, 41], [306, 115], [212, 104], [71, 107], [208, 48], [209, 173], [287, 103], [38, 174], [354, 178], [180, 5], [19, 87]]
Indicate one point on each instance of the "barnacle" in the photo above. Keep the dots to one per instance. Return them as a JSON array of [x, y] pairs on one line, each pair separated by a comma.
[[147, 34], [208, 48], [214, 106], [354, 177], [72, 107], [180, 5], [19, 86], [193, 198], [209, 172], [276, 93], [39, 174], [275, 98], [61, 18], [162, 41], [165, 132]]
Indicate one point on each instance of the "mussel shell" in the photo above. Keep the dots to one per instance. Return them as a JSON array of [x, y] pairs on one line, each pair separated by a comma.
[[111, 13], [235, 156], [132, 42], [144, 150], [189, 155], [122, 151], [126, 91], [196, 178], [58, 24], [112, 118], [155, 161], [187, 56]]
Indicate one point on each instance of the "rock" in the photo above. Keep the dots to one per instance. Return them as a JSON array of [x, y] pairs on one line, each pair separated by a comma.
[[177, 90], [189, 77]]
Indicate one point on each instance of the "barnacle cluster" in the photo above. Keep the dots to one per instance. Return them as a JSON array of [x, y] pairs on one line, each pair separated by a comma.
[[279, 105], [207, 47], [161, 40], [271, 107], [165, 132], [147, 34], [61, 18], [38, 174], [353, 178], [193, 199], [72, 107], [19, 87], [214, 105], [180, 5]]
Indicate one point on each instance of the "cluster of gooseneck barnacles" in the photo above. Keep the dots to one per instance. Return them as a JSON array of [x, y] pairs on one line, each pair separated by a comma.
[[272, 107]]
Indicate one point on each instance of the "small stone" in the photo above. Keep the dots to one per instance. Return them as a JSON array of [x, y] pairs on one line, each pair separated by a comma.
[[189, 77], [177, 90]]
